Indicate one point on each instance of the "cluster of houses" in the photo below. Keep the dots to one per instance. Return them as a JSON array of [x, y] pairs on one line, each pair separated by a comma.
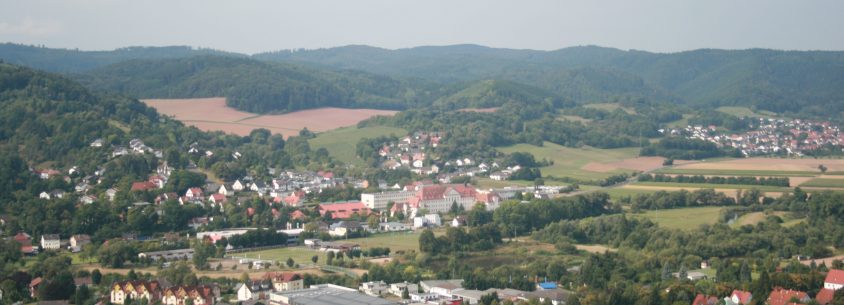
[[452, 292], [50, 242], [153, 292], [136, 146], [771, 136], [410, 152], [260, 289], [780, 296]]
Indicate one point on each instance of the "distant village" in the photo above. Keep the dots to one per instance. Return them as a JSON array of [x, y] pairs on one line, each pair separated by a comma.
[[770, 136]]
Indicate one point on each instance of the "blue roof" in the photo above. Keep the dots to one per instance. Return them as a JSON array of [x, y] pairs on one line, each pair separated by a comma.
[[548, 285]]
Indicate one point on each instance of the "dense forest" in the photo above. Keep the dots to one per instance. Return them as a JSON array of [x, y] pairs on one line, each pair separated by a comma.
[[801, 82], [253, 86]]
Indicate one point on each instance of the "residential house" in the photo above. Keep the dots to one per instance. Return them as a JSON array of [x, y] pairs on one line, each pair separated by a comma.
[[397, 289], [78, 241], [238, 186], [286, 281], [738, 297], [834, 281], [26, 243], [343, 228], [374, 288], [226, 189], [194, 194], [111, 193], [429, 220], [143, 186], [702, 299], [217, 198], [253, 290], [51, 242], [780, 296]]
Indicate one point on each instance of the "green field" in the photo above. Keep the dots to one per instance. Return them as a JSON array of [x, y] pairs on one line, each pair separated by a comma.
[[341, 142], [683, 219], [764, 188], [301, 255], [568, 161], [681, 123], [824, 182], [737, 172], [746, 112]]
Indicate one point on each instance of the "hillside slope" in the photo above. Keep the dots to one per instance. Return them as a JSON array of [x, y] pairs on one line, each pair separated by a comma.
[[251, 85]]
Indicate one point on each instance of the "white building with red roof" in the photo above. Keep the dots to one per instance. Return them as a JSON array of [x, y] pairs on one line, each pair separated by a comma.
[[438, 198], [834, 279], [343, 210], [738, 297]]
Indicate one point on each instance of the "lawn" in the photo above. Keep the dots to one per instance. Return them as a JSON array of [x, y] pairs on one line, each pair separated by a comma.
[[684, 218], [341, 142], [681, 123], [568, 161], [824, 182], [301, 255], [735, 172]]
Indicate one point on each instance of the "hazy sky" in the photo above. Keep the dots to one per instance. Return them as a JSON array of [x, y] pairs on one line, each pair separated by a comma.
[[255, 26]]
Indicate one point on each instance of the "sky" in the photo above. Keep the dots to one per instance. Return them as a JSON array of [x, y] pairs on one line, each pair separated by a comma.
[[252, 26]]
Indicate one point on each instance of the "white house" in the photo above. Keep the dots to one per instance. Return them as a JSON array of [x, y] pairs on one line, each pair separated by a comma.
[[238, 186], [834, 279], [373, 288], [51, 241], [244, 292], [398, 289]]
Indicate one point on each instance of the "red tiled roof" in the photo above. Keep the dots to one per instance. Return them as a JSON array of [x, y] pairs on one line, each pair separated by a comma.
[[825, 296], [781, 296], [283, 277], [743, 296], [343, 210], [835, 277], [143, 186], [705, 300], [297, 214]]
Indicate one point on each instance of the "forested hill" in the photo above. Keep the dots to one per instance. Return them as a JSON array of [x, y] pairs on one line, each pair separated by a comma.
[[779, 81], [808, 82], [253, 85], [75, 61]]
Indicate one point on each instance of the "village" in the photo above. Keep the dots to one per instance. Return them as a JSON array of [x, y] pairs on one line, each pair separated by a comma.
[[770, 136]]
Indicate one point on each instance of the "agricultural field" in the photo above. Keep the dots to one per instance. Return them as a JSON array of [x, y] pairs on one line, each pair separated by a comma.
[[837, 182], [341, 142], [764, 188], [683, 218], [585, 163], [212, 114], [746, 112], [733, 172]]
